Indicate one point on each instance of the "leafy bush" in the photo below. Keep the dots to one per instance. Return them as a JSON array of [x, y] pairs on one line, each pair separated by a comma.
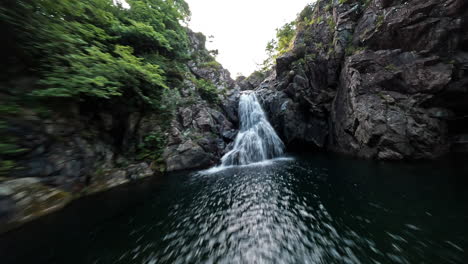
[[8, 149], [282, 44], [152, 146], [211, 64], [207, 91]]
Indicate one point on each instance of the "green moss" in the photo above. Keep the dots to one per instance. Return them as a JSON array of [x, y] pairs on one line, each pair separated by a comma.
[[331, 23], [310, 57], [391, 67], [366, 3], [9, 148], [351, 49], [152, 147], [379, 21], [211, 64], [9, 108]]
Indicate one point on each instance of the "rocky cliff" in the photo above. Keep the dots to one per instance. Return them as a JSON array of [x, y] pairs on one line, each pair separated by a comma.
[[383, 79], [78, 149]]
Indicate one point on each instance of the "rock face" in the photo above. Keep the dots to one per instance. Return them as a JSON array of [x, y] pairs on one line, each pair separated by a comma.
[[378, 79], [196, 138], [197, 134], [378, 111]]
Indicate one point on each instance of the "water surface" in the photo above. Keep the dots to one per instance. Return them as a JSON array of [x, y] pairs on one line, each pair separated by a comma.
[[313, 209]]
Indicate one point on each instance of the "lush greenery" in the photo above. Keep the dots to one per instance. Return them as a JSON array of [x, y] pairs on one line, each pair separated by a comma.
[[286, 34], [207, 90], [281, 44], [97, 49], [104, 53]]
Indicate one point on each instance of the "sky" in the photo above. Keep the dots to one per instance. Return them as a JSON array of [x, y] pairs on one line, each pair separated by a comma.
[[242, 28]]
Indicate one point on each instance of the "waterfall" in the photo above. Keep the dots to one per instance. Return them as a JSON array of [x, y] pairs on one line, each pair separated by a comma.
[[256, 140]]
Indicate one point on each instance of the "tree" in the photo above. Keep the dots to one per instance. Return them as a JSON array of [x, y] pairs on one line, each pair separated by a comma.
[[283, 42], [98, 49]]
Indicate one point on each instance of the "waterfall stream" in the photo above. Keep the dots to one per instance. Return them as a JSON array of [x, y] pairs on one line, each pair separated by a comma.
[[256, 140]]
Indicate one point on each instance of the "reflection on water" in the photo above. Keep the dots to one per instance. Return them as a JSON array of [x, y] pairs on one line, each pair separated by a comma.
[[317, 209]]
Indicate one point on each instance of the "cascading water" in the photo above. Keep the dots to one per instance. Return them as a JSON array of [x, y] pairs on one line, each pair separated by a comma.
[[256, 140]]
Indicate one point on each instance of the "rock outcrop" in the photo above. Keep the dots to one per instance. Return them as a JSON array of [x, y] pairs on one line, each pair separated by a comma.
[[197, 133], [378, 79]]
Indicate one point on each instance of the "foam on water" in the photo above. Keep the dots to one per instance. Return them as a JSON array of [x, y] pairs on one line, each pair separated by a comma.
[[255, 164]]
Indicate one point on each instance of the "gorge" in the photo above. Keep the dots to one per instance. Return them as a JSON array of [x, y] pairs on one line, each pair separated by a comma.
[[368, 102]]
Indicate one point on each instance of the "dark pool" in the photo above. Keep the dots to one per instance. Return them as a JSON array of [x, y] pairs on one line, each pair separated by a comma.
[[312, 209]]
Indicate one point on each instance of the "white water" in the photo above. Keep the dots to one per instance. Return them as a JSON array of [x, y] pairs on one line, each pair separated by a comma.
[[257, 140]]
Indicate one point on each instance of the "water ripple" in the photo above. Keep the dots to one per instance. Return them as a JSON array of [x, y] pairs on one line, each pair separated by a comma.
[[286, 211]]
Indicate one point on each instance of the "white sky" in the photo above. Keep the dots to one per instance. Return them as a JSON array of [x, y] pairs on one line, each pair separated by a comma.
[[242, 28]]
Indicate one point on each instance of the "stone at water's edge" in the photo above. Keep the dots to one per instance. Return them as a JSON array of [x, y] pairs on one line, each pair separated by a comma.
[[25, 199]]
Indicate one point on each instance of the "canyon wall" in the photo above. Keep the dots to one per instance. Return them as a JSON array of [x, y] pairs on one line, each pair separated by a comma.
[[378, 79]]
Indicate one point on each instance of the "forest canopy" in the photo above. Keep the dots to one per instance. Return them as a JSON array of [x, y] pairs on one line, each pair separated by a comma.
[[97, 48]]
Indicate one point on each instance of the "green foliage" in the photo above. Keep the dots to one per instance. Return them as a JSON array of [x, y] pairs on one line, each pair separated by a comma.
[[391, 67], [342, 1], [152, 146], [6, 166], [331, 23], [312, 21], [8, 108], [285, 36], [211, 64], [96, 49], [207, 91], [8, 149], [282, 44], [104, 75], [380, 20], [307, 12], [351, 49], [271, 56], [366, 3], [310, 57]]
